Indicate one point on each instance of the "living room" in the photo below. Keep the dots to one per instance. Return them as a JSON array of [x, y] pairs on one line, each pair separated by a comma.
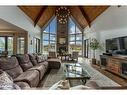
[[42, 47]]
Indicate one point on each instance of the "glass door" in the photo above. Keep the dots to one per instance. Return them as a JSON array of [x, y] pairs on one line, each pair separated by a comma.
[[10, 45], [21, 45], [36, 45], [6, 45], [2, 45]]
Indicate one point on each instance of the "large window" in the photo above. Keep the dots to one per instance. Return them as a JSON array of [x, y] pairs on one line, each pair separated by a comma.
[[75, 38], [6, 44], [2, 44], [36, 45], [49, 37], [21, 45]]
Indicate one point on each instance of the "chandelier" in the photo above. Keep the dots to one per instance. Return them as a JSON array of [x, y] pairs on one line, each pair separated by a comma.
[[62, 14]]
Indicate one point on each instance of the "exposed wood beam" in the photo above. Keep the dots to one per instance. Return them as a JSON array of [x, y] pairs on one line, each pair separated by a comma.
[[85, 15], [39, 15]]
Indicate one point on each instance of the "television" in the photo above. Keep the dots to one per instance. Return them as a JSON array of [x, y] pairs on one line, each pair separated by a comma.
[[117, 45]]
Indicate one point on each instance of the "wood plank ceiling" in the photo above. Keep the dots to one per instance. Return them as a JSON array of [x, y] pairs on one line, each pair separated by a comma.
[[84, 15]]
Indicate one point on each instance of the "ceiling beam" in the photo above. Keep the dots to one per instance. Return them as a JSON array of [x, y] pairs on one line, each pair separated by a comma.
[[39, 15], [85, 16]]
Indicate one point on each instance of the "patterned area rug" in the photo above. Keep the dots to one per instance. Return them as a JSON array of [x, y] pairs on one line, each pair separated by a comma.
[[56, 75]]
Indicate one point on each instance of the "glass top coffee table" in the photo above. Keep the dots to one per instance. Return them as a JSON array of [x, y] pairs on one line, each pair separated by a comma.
[[75, 71]]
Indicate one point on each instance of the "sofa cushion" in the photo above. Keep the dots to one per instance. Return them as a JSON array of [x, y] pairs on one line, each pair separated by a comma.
[[92, 83], [11, 66], [45, 63], [29, 76], [33, 59], [6, 82], [39, 58], [80, 87], [23, 85], [24, 61], [40, 68]]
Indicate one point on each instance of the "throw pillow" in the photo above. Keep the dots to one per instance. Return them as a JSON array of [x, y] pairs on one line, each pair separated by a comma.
[[6, 82]]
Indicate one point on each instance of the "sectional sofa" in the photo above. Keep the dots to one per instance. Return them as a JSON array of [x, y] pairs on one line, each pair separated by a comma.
[[27, 70]]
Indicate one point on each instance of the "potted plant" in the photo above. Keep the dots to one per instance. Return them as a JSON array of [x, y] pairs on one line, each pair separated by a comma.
[[94, 45]]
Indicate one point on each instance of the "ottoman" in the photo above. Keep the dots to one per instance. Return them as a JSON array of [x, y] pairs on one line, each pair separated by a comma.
[[54, 63]]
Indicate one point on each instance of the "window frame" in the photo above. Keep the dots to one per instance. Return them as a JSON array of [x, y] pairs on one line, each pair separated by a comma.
[[49, 34], [75, 34]]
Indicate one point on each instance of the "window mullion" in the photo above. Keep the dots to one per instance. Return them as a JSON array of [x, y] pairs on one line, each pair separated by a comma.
[[75, 34]]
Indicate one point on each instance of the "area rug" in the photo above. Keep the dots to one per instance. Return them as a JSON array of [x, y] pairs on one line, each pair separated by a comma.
[[102, 80], [56, 75]]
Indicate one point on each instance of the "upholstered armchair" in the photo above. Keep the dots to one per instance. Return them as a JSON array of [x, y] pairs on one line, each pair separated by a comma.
[[52, 55], [74, 55]]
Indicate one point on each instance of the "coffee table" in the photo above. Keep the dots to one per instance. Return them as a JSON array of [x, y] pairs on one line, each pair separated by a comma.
[[75, 71]]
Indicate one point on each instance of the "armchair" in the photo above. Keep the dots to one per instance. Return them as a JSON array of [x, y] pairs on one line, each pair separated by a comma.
[[52, 55], [74, 55]]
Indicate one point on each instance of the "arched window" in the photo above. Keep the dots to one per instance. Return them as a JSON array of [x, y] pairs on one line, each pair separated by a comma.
[[75, 37], [49, 37]]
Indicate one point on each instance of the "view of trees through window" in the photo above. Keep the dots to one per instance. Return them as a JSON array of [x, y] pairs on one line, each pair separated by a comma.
[[75, 38], [21, 45], [6, 44], [49, 37], [2, 44]]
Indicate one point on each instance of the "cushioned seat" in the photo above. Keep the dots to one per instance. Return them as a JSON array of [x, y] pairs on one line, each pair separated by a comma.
[[38, 60], [24, 61], [23, 85], [40, 68], [33, 59], [92, 83], [45, 63], [11, 66], [30, 76], [54, 63]]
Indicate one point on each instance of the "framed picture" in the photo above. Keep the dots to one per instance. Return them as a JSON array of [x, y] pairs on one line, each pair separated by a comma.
[[62, 40]]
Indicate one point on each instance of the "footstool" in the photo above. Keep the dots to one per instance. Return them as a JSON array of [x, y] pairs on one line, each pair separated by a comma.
[[54, 63]]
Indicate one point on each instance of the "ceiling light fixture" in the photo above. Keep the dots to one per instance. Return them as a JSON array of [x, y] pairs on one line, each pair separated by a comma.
[[62, 13]]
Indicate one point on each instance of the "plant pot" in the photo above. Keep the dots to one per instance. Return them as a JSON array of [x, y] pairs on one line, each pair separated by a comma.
[[93, 61]]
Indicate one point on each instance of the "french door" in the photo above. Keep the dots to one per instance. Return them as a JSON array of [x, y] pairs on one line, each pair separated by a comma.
[[6, 44]]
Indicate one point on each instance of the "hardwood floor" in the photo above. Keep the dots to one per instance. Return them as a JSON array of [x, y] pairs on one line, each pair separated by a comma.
[[112, 76]]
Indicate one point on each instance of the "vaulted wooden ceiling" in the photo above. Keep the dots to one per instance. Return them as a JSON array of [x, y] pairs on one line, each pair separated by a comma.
[[84, 15]]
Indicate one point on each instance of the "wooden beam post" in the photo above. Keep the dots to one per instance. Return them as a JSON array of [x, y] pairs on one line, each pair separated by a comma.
[[85, 15], [39, 15]]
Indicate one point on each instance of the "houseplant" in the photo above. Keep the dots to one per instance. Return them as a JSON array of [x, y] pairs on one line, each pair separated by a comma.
[[94, 45]]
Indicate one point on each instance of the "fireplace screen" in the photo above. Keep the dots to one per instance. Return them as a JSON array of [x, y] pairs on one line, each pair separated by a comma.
[[124, 68]]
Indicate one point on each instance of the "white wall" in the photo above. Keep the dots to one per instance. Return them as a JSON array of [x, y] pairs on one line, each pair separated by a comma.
[[15, 16], [111, 23]]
